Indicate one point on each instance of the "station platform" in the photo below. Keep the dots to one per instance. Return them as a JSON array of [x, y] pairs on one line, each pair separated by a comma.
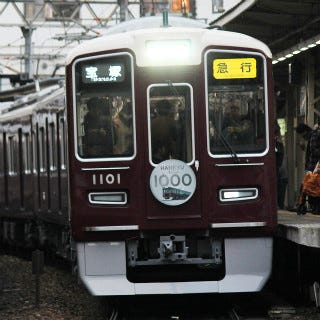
[[303, 229]]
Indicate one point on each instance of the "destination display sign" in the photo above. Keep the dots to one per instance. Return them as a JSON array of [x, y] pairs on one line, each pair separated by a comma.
[[237, 68], [103, 72]]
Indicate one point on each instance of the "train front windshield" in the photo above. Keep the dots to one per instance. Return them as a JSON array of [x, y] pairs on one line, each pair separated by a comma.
[[170, 122], [104, 114], [236, 103]]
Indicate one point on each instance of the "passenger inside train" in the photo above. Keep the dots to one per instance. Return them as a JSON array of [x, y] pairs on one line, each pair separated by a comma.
[[236, 128], [107, 128], [164, 131], [122, 122], [98, 129], [237, 121]]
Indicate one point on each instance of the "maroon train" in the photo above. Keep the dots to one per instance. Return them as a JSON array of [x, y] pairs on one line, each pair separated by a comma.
[[33, 168], [171, 164]]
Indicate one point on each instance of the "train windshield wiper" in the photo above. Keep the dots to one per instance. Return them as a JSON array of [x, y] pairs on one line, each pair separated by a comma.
[[226, 145], [174, 91]]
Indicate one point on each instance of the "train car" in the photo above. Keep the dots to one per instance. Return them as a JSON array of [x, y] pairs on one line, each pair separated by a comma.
[[171, 103], [33, 168]]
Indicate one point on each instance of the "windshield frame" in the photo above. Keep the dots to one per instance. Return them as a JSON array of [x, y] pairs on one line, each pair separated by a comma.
[[227, 154], [75, 111], [170, 84]]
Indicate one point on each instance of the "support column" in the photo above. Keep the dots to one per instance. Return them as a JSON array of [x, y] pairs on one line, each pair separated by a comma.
[[291, 107], [28, 66], [310, 67], [123, 10]]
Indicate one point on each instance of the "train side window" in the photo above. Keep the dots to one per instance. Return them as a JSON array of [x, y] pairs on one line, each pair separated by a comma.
[[12, 151], [42, 150], [2, 152], [62, 139], [52, 147], [34, 152], [26, 149], [236, 103], [104, 107], [170, 123]]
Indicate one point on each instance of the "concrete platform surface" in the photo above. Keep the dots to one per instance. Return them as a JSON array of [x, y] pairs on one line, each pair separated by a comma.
[[304, 230]]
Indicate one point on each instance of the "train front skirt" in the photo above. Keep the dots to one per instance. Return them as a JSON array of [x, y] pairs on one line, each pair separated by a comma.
[[103, 270]]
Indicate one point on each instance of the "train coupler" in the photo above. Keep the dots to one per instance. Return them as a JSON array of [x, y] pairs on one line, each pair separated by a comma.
[[173, 248]]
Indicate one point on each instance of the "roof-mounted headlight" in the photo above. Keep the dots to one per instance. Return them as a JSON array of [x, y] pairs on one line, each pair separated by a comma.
[[168, 52]]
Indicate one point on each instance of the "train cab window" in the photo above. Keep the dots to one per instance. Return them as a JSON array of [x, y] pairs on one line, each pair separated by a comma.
[[170, 122], [104, 109], [236, 103]]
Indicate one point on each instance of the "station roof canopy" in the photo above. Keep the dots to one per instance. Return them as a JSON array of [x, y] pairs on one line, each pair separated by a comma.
[[284, 25]]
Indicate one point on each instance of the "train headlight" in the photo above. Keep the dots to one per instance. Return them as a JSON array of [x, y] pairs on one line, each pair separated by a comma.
[[168, 52], [108, 198], [239, 194]]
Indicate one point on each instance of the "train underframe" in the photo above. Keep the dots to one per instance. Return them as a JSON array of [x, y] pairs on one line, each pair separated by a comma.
[[30, 233], [175, 264], [164, 264]]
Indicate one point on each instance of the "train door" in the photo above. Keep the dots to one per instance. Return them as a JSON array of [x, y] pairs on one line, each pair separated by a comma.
[[42, 148], [240, 175], [53, 173], [62, 164], [173, 156], [13, 168], [2, 181], [35, 165], [104, 162], [26, 182]]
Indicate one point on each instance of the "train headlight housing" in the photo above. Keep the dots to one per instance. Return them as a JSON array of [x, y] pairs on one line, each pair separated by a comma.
[[238, 194], [168, 52], [108, 198]]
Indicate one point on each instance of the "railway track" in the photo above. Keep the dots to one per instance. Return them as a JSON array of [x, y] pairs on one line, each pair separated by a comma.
[[62, 297], [213, 307], [230, 315]]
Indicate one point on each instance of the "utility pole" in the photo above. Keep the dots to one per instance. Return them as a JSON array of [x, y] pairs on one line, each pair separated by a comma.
[[28, 65], [123, 10], [217, 6]]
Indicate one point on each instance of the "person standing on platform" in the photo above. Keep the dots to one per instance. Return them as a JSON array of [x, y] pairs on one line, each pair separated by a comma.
[[312, 156], [281, 167]]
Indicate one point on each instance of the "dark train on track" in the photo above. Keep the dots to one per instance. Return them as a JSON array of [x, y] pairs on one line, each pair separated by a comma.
[[149, 111]]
